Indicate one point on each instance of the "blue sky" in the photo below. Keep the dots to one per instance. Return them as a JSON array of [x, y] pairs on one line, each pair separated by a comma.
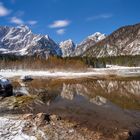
[[75, 19]]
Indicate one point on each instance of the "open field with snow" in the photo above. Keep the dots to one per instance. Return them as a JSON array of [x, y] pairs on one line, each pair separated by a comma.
[[101, 72]]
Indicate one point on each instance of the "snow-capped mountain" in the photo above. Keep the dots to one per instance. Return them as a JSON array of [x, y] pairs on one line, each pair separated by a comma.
[[124, 41], [21, 41], [67, 48], [86, 43]]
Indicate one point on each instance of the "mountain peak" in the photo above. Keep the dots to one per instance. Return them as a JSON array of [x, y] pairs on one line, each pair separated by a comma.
[[23, 28], [69, 41], [97, 36], [67, 47], [47, 36], [86, 43]]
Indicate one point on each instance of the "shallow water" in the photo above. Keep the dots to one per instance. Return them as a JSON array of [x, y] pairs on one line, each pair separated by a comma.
[[103, 105], [122, 93]]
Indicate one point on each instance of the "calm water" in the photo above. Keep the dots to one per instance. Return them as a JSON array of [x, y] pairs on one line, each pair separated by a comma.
[[121, 93]]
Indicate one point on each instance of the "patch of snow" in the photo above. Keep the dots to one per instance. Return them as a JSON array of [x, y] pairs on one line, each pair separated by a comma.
[[2, 49], [11, 129], [13, 73]]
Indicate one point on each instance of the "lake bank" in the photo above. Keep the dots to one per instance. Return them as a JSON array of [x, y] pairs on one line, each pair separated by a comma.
[[91, 72]]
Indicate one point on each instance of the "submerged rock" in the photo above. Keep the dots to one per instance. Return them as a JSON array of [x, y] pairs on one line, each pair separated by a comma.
[[26, 78]]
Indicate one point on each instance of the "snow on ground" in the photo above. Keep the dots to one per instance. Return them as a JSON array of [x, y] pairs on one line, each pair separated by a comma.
[[120, 67], [120, 70], [117, 70], [11, 129], [13, 73]]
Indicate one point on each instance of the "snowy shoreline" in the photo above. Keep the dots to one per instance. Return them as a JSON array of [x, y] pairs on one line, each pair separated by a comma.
[[114, 70]]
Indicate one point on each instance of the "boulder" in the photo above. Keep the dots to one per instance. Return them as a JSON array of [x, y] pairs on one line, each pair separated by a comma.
[[6, 88]]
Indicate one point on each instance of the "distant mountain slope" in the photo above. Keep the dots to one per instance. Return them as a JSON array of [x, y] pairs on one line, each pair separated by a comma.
[[124, 41], [86, 43]]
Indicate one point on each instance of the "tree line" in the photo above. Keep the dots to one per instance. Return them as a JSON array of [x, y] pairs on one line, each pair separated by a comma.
[[68, 63]]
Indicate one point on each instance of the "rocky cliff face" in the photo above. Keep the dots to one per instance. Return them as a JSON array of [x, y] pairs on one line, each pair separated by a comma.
[[124, 41]]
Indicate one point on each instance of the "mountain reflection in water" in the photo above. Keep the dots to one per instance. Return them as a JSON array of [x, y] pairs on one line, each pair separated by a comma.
[[98, 104], [122, 93]]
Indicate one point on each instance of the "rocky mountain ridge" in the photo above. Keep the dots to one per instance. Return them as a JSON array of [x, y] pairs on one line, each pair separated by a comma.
[[124, 41], [21, 41]]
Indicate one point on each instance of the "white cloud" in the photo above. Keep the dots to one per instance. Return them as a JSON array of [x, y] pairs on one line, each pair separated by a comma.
[[102, 16], [60, 31], [19, 21], [32, 22], [3, 10], [60, 24], [16, 20]]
